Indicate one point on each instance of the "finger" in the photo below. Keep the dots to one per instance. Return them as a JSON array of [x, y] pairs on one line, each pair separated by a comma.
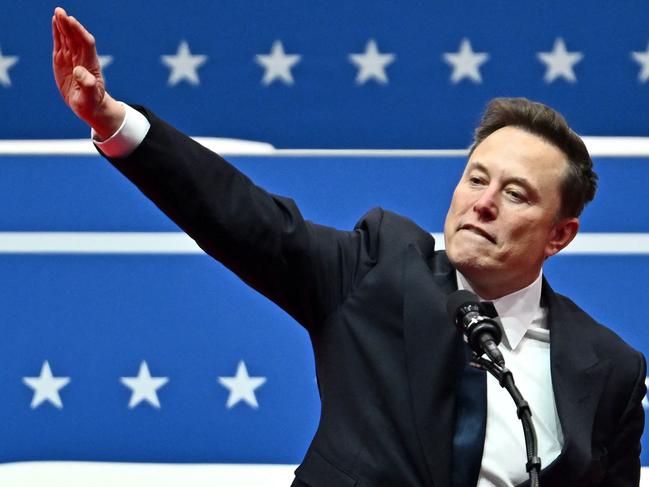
[[60, 12], [64, 30], [74, 41], [82, 37], [56, 36], [82, 33], [62, 37], [61, 23], [58, 46], [85, 78], [69, 28]]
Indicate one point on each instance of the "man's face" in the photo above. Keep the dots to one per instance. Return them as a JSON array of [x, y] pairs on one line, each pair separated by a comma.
[[504, 216]]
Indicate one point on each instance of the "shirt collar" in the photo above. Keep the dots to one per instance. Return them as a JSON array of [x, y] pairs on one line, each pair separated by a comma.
[[516, 311]]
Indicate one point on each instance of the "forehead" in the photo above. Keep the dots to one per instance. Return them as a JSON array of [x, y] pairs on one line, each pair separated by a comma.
[[514, 149]]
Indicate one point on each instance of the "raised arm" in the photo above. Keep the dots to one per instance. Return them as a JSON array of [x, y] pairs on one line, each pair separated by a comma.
[[78, 75], [305, 268]]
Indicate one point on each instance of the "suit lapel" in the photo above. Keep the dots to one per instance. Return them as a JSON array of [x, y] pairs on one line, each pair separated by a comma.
[[434, 360], [433, 354], [578, 378]]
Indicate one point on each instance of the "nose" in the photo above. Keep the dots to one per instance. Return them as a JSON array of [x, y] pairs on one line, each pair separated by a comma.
[[486, 206]]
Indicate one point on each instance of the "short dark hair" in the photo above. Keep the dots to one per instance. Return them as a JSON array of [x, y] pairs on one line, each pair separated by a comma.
[[580, 181]]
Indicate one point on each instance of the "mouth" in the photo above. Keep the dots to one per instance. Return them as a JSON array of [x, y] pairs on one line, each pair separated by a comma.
[[478, 231]]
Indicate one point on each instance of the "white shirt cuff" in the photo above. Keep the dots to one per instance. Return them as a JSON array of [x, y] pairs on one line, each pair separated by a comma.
[[128, 136]]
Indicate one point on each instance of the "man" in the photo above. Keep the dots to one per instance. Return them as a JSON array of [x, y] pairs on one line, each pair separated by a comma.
[[391, 369]]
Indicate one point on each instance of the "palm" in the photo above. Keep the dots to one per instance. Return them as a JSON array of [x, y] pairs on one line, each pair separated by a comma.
[[74, 46]]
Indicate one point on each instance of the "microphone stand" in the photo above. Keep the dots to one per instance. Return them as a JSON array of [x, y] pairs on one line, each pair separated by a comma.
[[506, 380]]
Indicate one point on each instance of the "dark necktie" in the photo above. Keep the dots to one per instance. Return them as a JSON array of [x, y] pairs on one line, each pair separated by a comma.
[[470, 425]]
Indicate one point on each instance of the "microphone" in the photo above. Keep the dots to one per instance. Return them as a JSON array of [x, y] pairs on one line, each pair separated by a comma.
[[482, 332]]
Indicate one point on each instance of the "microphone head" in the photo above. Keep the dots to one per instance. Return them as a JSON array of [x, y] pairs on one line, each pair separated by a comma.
[[466, 313], [459, 303]]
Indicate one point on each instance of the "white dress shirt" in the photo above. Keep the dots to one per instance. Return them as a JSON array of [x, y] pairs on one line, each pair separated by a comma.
[[128, 137], [526, 350], [525, 347]]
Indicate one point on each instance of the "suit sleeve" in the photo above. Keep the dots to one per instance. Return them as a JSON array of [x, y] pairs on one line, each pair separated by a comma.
[[307, 269], [624, 450]]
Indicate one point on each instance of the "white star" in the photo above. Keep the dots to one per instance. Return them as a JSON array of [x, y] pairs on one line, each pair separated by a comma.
[[642, 58], [242, 386], [105, 61], [144, 387], [277, 64], [46, 387], [184, 65], [466, 63], [371, 64], [5, 63], [559, 62]]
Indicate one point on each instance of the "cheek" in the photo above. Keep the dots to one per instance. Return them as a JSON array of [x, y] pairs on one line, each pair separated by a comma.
[[458, 204], [451, 214], [529, 235]]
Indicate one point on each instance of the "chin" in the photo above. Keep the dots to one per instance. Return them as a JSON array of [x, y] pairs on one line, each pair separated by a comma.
[[464, 261], [469, 263]]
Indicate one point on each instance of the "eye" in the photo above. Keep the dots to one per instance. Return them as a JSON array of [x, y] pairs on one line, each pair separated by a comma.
[[477, 180], [515, 195]]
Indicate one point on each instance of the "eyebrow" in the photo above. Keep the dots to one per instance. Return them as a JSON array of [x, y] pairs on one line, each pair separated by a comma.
[[521, 181]]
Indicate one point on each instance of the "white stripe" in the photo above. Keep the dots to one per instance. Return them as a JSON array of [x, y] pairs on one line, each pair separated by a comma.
[[369, 153], [597, 146], [97, 243], [617, 146], [104, 474], [179, 243], [595, 243], [609, 243], [85, 147]]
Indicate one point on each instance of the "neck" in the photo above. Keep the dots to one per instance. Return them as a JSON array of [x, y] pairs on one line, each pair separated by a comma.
[[490, 290]]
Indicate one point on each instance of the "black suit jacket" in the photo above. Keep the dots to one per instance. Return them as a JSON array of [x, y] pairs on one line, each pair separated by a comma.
[[387, 360]]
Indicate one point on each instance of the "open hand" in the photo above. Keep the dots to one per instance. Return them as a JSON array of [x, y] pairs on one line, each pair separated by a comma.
[[78, 75]]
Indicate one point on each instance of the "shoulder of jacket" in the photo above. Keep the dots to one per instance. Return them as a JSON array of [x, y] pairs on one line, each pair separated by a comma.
[[606, 341], [379, 219]]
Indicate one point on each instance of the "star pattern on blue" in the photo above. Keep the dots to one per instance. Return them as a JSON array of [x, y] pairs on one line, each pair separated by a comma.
[[372, 64], [183, 65], [46, 387], [560, 63], [466, 63]]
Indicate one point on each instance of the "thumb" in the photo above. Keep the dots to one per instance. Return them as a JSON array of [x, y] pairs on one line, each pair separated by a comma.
[[86, 79]]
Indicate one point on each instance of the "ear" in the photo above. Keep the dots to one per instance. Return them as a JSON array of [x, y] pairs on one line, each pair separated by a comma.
[[564, 230]]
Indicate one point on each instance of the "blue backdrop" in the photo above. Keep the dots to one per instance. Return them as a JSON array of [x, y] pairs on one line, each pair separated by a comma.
[[363, 74], [96, 318], [590, 60]]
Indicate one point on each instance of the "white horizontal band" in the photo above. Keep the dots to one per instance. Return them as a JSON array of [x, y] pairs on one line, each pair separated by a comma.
[[97, 243], [85, 147], [100, 474], [596, 243], [597, 146], [103, 474], [179, 243]]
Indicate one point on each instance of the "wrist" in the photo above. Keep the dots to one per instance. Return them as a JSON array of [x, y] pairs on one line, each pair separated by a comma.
[[108, 118]]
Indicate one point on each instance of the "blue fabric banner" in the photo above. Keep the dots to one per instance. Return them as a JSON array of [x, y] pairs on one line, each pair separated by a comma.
[[363, 74]]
